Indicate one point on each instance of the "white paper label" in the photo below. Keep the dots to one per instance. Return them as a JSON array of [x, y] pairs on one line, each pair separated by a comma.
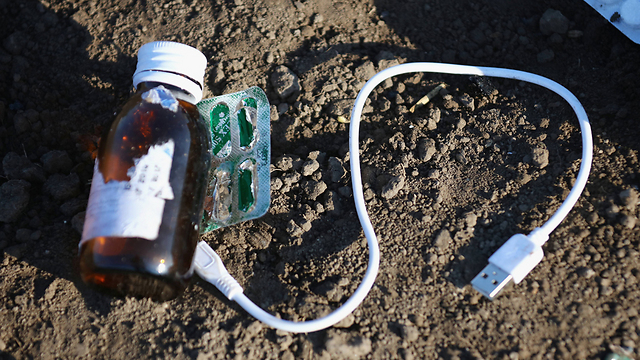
[[131, 208]]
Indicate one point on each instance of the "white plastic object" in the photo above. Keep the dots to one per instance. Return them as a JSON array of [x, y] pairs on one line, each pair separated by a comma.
[[518, 256], [172, 63], [533, 242], [209, 266], [623, 14]]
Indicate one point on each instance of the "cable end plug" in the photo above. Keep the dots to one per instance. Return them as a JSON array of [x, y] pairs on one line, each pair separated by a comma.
[[209, 266], [510, 264]]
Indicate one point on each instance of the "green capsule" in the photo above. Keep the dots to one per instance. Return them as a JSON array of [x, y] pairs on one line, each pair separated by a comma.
[[246, 186], [220, 130]]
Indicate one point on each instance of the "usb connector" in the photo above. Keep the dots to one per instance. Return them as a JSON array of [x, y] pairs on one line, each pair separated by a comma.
[[510, 264], [491, 281]]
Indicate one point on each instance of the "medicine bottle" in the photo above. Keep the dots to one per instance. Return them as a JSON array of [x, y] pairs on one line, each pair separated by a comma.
[[146, 201]]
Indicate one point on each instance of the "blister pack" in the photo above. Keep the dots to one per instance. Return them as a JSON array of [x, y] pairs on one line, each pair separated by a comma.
[[239, 181]]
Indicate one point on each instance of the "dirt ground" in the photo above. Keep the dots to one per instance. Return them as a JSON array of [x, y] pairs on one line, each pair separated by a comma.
[[445, 185]]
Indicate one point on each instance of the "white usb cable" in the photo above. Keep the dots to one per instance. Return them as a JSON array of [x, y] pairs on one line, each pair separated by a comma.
[[511, 263]]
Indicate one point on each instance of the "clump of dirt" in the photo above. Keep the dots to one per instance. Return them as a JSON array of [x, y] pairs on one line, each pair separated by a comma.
[[445, 185]]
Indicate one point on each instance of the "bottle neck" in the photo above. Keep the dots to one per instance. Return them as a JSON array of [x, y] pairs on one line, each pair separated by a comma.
[[179, 93]]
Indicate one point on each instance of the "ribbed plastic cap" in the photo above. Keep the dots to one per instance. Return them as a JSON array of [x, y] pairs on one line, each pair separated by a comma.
[[171, 63]]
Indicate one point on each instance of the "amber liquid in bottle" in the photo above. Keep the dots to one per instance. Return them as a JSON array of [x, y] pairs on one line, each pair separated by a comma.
[[157, 268]]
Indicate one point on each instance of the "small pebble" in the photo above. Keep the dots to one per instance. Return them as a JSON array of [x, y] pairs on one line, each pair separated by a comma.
[[426, 149], [553, 21], [392, 188], [467, 101], [285, 82], [545, 56], [313, 188], [284, 163], [629, 198], [628, 221], [443, 239], [540, 157], [409, 333], [612, 211], [309, 167], [433, 174], [587, 273]]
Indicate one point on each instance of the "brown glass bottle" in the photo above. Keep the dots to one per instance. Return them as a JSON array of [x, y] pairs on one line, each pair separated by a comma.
[[159, 267]]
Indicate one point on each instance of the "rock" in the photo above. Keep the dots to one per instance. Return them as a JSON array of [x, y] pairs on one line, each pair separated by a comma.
[[73, 206], [386, 59], [545, 56], [392, 187], [332, 204], [397, 141], [470, 219], [612, 211], [629, 198], [290, 179], [82, 19], [574, 34], [435, 114], [36, 235], [314, 188], [285, 82], [629, 221], [14, 198], [346, 322], [443, 239], [540, 157], [260, 239], [286, 355], [365, 71], [56, 161], [555, 39], [467, 101], [340, 107], [593, 218], [409, 333], [294, 229], [586, 272], [318, 19], [343, 346], [283, 107], [309, 167], [426, 149], [336, 170], [552, 21], [284, 163], [276, 184], [19, 167], [62, 187], [449, 103]]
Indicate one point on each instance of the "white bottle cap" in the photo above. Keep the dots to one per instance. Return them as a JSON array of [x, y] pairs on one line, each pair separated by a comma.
[[171, 63]]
